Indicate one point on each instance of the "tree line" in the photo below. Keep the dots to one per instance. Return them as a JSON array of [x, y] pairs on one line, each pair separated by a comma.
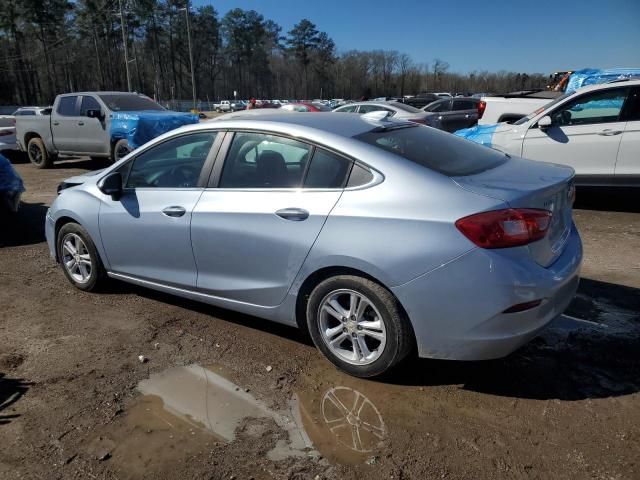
[[55, 46]]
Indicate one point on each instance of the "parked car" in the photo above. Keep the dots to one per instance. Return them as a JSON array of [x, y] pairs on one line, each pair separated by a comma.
[[11, 187], [396, 110], [421, 100], [305, 107], [455, 114], [375, 235], [98, 124], [226, 106], [31, 111], [595, 130]]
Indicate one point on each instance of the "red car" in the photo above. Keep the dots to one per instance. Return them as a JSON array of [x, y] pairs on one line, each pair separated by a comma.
[[306, 107]]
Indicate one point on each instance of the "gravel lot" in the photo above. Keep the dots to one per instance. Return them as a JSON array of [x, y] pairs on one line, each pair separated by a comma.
[[565, 406]]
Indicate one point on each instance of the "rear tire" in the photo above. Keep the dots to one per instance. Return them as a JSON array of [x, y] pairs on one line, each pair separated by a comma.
[[79, 258], [37, 153], [358, 325]]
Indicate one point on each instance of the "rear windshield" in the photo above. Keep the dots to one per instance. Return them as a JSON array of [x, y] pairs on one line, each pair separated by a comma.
[[406, 108], [434, 149], [129, 103]]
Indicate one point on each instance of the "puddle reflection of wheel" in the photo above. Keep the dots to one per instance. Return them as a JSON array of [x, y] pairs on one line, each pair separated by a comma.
[[353, 419]]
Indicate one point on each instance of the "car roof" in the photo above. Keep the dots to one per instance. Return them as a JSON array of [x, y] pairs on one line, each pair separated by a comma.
[[102, 93], [631, 82], [341, 125]]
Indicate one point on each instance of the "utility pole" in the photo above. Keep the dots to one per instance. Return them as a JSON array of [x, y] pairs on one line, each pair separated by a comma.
[[193, 77], [124, 43]]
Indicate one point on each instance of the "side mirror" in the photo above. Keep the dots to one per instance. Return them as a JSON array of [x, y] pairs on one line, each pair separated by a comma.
[[111, 185], [545, 122], [95, 114]]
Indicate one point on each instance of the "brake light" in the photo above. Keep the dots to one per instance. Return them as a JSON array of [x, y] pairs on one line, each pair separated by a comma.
[[482, 106], [511, 227]]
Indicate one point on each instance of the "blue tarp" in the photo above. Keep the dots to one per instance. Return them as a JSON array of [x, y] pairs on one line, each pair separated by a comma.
[[592, 76], [11, 186], [141, 126], [482, 134]]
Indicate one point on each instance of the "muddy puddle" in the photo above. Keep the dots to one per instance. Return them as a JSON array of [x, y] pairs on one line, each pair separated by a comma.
[[336, 419]]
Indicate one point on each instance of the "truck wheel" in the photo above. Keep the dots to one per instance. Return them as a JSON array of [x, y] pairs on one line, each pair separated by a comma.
[[37, 153], [120, 150]]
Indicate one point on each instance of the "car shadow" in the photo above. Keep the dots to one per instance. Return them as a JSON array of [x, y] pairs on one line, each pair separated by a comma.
[[24, 227], [11, 390], [608, 199], [597, 356], [591, 352], [85, 163]]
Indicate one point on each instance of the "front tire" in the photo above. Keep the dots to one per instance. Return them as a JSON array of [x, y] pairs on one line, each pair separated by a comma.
[[120, 150], [358, 325], [37, 153], [79, 258]]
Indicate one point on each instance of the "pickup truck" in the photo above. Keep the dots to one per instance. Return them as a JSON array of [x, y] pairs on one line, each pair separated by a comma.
[[98, 124], [512, 107], [225, 106]]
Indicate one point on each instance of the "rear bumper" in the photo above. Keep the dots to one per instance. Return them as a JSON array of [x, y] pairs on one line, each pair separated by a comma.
[[457, 310]]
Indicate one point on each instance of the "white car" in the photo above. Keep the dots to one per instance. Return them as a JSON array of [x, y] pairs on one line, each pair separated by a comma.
[[595, 130], [8, 133]]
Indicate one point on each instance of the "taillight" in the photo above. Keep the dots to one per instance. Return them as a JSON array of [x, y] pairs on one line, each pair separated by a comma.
[[511, 227], [482, 106]]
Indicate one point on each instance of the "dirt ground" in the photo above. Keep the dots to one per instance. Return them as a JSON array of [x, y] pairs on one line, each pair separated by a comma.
[[71, 402]]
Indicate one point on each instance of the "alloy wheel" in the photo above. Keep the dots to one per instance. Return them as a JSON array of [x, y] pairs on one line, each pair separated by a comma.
[[352, 327], [76, 258]]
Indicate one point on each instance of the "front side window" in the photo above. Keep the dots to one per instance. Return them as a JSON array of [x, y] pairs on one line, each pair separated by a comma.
[[597, 107], [67, 106], [632, 106], [258, 160], [89, 103], [176, 163]]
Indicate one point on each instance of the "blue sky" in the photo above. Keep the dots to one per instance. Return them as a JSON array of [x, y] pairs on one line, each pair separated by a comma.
[[516, 35]]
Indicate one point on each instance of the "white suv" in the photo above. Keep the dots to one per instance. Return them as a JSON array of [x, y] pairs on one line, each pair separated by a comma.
[[595, 130]]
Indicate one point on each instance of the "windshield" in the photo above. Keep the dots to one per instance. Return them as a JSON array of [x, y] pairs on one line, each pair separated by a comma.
[[435, 149], [128, 103], [406, 108], [541, 109]]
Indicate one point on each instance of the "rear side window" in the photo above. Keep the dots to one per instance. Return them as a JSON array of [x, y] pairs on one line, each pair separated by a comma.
[[327, 170], [434, 149], [463, 105], [349, 109], [67, 106], [359, 176]]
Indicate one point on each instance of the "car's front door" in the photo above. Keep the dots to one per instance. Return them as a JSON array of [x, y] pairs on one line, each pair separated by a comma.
[[266, 205], [146, 232], [585, 134], [628, 164], [92, 133]]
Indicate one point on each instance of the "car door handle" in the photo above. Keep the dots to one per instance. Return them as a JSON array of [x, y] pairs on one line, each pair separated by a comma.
[[80, 123], [293, 214], [609, 133], [174, 211], [467, 116], [56, 123]]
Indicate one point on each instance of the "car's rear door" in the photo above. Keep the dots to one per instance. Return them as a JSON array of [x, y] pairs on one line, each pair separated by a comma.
[[64, 123], [585, 134], [264, 208], [146, 232], [628, 163], [464, 114]]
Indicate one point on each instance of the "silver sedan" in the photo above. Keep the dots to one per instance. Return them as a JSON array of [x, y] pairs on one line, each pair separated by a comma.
[[380, 237], [397, 110]]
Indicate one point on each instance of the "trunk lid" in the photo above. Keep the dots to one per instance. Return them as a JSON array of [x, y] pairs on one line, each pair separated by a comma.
[[531, 184]]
